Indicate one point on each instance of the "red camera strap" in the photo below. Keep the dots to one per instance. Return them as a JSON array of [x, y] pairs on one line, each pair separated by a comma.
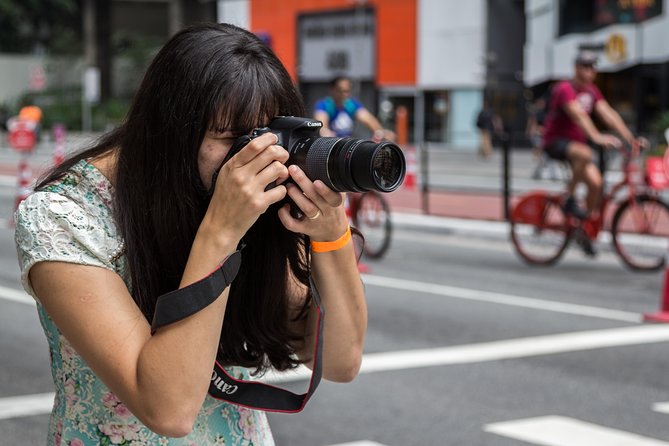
[[179, 304], [261, 396]]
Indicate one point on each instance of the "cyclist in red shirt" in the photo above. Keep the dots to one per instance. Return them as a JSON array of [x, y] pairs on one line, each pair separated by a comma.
[[569, 130]]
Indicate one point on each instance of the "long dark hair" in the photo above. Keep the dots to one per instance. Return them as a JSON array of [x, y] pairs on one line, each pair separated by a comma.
[[208, 76]]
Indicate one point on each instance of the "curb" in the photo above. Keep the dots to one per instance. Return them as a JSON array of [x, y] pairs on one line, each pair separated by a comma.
[[459, 225]]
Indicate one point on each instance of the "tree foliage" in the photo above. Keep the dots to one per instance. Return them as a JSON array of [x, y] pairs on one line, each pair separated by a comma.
[[28, 26]]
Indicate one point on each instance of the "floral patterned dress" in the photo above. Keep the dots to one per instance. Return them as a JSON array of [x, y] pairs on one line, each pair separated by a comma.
[[71, 221]]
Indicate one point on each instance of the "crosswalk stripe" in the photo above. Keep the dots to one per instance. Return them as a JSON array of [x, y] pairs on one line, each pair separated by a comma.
[[359, 443], [500, 298], [497, 350], [26, 405], [661, 407], [15, 295], [562, 431]]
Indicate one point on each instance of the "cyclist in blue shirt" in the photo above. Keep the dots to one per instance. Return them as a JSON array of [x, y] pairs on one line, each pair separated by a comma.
[[340, 111]]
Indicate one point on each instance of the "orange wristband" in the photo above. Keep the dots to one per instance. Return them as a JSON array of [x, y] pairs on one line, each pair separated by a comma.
[[334, 245]]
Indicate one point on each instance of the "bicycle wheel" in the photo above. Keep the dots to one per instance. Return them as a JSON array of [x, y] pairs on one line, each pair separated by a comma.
[[372, 218], [539, 229], [640, 232]]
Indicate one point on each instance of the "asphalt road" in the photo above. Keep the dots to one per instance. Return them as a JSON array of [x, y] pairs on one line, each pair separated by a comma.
[[466, 346]]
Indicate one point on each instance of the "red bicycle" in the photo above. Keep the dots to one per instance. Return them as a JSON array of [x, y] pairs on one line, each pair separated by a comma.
[[370, 213], [541, 231]]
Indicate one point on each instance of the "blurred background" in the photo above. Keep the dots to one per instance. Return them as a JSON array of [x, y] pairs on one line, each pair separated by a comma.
[[467, 344], [81, 60]]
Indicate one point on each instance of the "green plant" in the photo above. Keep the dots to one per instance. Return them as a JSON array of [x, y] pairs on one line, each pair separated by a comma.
[[659, 125], [63, 105]]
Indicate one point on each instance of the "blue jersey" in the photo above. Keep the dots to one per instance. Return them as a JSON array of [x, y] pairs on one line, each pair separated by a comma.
[[342, 119]]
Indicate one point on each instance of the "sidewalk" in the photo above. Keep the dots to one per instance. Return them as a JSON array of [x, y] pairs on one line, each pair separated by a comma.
[[444, 203], [465, 191]]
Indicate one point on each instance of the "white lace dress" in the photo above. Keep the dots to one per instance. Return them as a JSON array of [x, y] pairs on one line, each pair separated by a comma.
[[71, 221]]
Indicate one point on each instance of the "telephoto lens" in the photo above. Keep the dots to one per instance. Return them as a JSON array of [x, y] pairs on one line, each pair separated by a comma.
[[349, 164], [343, 164]]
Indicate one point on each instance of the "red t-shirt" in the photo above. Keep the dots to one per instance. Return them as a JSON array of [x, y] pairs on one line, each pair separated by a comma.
[[558, 124]]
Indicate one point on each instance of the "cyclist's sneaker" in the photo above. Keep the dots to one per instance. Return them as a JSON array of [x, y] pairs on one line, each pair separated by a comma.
[[572, 208], [585, 243]]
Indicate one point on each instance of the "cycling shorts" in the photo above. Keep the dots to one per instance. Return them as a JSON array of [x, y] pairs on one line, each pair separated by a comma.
[[557, 149]]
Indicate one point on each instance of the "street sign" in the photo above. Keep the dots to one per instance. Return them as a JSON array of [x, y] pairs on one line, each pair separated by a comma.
[[22, 135], [37, 78], [92, 85]]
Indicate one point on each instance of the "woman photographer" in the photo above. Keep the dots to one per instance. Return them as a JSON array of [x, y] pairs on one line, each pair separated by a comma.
[[131, 219]]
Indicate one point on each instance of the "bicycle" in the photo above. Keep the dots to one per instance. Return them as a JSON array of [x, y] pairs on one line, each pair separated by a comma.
[[370, 213], [541, 231]]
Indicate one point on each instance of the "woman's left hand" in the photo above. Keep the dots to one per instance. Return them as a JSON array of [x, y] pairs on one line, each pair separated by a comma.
[[324, 215]]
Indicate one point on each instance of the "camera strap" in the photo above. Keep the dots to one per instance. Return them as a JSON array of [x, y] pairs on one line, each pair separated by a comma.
[[261, 396], [179, 304]]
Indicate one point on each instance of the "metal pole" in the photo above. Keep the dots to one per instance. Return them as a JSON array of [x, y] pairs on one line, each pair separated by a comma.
[[424, 179], [90, 56], [506, 173]]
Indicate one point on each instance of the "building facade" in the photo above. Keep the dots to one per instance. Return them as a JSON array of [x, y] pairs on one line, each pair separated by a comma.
[[631, 37], [435, 57]]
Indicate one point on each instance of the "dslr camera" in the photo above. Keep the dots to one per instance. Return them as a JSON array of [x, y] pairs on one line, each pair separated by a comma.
[[343, 164]]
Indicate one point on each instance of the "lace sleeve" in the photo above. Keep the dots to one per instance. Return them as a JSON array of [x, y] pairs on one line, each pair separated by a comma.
[[52, 227]]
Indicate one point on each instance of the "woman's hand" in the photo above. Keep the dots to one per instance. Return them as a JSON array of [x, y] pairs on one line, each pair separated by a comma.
[[324, 215], [335, 274], [241, 192]]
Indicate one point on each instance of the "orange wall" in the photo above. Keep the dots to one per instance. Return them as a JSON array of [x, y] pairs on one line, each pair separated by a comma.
[[395, 33]]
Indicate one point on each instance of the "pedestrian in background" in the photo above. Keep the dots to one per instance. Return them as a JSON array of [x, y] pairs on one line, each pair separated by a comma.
[[4, 117], [489, 124], [154, 208]]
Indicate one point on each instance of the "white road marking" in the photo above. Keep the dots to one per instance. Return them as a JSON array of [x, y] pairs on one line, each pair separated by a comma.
[[563, 431], [497, 350], [661, 407], [359, 443], [410, 359], [26, 405], [499, 298], [446, 291], [15, 295]]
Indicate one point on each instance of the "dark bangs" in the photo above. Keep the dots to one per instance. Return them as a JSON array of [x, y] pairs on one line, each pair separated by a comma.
[[251, 98]]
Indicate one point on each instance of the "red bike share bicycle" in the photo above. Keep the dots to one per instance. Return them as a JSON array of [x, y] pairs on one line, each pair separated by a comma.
[[370, 213], [639, 229]]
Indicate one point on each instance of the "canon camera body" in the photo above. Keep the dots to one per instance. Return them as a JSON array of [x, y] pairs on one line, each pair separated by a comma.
[[343, 164]]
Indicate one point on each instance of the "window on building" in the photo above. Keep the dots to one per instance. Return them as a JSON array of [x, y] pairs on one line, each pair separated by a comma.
[[576, 16], [582, 16]]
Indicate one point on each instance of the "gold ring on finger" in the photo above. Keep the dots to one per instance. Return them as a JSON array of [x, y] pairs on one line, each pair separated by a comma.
[[318, 214]]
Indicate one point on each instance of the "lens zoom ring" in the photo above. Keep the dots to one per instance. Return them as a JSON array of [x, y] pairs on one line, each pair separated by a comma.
[[317, 159]]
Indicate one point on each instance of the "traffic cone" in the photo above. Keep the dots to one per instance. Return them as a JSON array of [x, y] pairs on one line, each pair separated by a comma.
[[24, 178], [663, 314], [59, 136], [410, 177]]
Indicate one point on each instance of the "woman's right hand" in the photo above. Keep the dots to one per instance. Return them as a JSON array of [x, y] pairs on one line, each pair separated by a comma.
[[241, 194]]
